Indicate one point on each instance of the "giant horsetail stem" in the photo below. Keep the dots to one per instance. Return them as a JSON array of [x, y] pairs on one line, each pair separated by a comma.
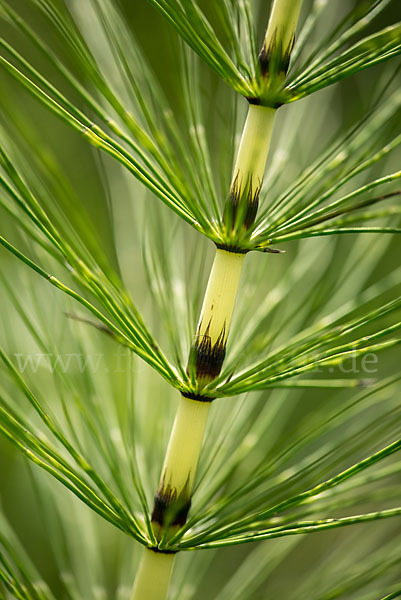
[[173, 497], [209, 347], [153, 577], [243, 199], [280, 36]]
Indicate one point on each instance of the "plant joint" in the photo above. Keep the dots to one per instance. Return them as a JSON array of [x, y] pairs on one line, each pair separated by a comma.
[[158, 550], [197, 397], [232, 248], [170, 509], [268, 103]]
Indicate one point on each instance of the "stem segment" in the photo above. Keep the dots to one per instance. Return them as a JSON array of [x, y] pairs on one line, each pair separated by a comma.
[[209, 348], [255, 143], [282, 24], [243, 200], [274, 58], [173, 498], [153, 577]]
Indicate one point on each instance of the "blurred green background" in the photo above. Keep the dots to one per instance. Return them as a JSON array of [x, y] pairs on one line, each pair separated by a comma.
[[119, 212]]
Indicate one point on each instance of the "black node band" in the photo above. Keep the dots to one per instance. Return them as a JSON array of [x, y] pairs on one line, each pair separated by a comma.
[[233, 249], [197, 397], [160, 551]]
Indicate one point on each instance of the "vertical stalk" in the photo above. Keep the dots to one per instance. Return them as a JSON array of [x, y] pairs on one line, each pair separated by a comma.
[[282, 23], [173, 497], [153, 577], [279, 38], [209, 347], [243, 200], [255, 143]]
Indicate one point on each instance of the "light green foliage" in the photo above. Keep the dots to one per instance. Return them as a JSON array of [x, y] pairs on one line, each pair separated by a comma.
[[337, 54], [299, 441]]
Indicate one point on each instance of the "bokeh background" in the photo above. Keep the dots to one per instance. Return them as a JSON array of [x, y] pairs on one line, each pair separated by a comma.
[[122, 217]]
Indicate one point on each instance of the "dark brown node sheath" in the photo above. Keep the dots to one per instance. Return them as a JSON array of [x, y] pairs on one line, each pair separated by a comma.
[[242, 204], [171, 509], [208, 357], [274, 58]]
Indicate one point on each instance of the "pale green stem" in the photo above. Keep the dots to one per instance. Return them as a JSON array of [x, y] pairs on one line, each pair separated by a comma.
[[179, 469], [282, 23], [182, 456], [222, 287], [216, 314], [181, 461], [153, 577], [254, 146]]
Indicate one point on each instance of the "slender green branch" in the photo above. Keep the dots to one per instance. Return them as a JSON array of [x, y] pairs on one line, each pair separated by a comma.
[[97, 313], [303, 527]]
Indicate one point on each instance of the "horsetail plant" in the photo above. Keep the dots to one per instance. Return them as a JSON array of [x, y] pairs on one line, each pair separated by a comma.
[[173, 498], [130, 121]]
